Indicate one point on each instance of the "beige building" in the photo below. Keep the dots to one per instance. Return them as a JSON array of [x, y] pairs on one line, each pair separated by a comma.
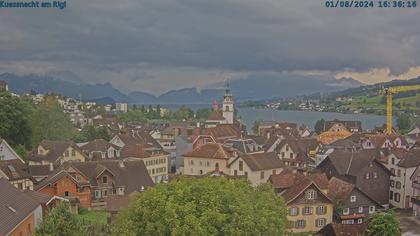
[[257, 167], [208, 158], [56, 152], [154, 158]]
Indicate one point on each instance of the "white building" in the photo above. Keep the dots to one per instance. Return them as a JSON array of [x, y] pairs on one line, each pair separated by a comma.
[[122, 107], [228, 106]]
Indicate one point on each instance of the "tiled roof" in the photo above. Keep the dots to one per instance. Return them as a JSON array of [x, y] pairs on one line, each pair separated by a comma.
[[99, 145], [14, 169], [350, 163], [411, 159], [222, 131], [211, 150], [336, 229], [55, 150], [338, 189], [141, 150], [215, 116], [15, 206], [133, 175], [262, 161]]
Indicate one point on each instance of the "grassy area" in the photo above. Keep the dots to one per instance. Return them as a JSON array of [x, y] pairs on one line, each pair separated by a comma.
[[93, 217], [375, 103]]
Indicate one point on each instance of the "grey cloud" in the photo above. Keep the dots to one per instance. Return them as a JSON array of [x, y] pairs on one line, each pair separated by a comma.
[[115, 37]]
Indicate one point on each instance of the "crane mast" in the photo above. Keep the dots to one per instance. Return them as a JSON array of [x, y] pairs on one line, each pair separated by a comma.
[[389, 93]]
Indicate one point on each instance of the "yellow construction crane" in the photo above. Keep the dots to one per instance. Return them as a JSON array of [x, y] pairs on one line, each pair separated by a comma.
[[389, 92]]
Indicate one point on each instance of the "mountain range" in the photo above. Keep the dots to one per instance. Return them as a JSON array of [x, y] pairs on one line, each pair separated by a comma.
[[249, 88]]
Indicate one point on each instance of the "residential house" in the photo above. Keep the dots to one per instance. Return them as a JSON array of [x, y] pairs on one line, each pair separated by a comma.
[[47, 201], [7, 152], [19, 213], [372, 141], [112, 178], [309, 207], [402, 165], [56, 152], [256, 167], [297, 153], [72, 186], [207, 158], [16, 172], [183, 145], [244, 145], [99, 149], [352, 205], [154, 157], [269, 128], [362, 169], [336, 229], [340, 125], [415, 199]]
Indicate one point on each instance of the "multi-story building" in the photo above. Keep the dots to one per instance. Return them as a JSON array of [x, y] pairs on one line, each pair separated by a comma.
[[352, 205], [402, 165], [256, 167], [309, 207], [56, 152], [208, 158]]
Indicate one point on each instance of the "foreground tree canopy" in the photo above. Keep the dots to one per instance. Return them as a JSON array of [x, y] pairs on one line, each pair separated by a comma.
[[385, 224], [208, 206]]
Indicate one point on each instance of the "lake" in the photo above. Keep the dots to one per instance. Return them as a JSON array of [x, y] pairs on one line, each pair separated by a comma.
[[309, 118]]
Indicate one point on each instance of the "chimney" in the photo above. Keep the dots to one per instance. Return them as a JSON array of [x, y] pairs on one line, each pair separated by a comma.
[[51, 167]]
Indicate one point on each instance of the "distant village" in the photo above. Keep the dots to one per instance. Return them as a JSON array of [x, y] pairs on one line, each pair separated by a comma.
[[331, 182]]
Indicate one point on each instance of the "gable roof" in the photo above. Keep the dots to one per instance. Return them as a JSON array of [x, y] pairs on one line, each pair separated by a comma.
[[411, 159], [222, 131], [212, 150], [98, 145], [215, 116], [133, 175], [336, 229], [14, 169], [349, 124], [262, 161], [15, 206], [55, 149], [141, 150], [350, 163], [11, 149]]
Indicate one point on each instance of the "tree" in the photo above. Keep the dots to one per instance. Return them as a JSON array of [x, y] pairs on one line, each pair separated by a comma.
[[319, 126], [205, 206], [90, 133], [203, 113], [183, 113], [384, 223], [14, 120], [48, 121], [403, 122], [60, 222], [255, 126]]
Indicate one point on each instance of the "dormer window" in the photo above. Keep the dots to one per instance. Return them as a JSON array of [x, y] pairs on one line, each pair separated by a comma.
[[104, 179], [287, 147], [353, 198]]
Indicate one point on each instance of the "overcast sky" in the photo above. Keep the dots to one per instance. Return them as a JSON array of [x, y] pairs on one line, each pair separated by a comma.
[[158, 45]]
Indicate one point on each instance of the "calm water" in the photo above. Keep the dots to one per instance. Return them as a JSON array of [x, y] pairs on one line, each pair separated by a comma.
[[249, 115], [309, 118]]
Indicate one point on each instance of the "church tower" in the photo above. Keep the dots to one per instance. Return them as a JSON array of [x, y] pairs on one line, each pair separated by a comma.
[[228, 105]]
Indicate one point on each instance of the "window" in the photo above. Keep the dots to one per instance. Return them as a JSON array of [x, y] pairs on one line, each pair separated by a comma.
[[207, 163], [191, 162], [262, 175], [73, 153], [393, 171], [20, 186], [274, 172], [375, 175], [367, 175], [217, 165], [371, 209], [346, 211], [399, 173], [300, 224], [201, 163], [241, 165], [393, 161], [360, 209], [359, 221], [392, 183], [291, 155], [307, 210], [310, 194], [201, 172], [293, 211], [321, 210], [398, 185], [347, 222], [397, 197], [352, 198], [66, 153], [235, 173], [320, 222], [287, 147], [104, 179], [66, 193], [105, 193], [391, 195], [282, 154], [246, 173]]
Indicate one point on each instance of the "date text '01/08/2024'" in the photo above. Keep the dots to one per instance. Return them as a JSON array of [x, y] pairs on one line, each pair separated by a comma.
[[370, 4]]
